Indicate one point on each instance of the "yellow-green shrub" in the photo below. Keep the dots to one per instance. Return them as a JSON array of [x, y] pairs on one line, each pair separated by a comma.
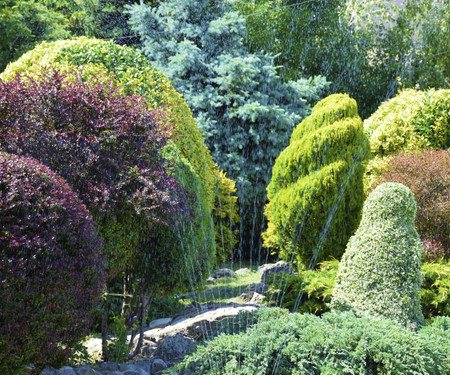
[[316, 193], [412, 120]]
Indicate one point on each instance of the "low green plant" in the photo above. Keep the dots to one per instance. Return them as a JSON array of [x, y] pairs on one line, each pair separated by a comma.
[[435, 292], [337, 343], [306, 292], [118, 348]]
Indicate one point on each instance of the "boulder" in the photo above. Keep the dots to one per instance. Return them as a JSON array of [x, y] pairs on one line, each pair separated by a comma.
[[273, 269], [158, 323], [224, 272], [158, 366], [242, 271]]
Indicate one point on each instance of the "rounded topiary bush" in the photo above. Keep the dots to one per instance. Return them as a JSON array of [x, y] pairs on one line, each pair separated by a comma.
[[379, 274], [410, 121], [316, 192], [51, 266]]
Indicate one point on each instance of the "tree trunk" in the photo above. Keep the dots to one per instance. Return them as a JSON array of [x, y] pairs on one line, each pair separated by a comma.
[[145, 303], [105, 325]]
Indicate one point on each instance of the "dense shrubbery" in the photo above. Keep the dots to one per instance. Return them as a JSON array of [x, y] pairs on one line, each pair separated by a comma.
[[316, 193], [51, 266], [316, 287], [379, 275], [278, 342], [244, 110], [427, 174], [412, 120]]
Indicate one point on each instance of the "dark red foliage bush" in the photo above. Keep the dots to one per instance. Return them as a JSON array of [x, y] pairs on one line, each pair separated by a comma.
[[427, 174], [51, 265], [105, 144]]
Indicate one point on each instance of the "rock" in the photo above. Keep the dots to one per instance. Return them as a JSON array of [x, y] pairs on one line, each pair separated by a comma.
[[224, 272], [148, 348], [48, 371], [145, 365], [242, 271], [210, 280], [259, 288], [86, 370], [158, 323], [174, 348], [135, 371], [257, 299], [273, 269], [66, 370], [109, 366], [158, 366]]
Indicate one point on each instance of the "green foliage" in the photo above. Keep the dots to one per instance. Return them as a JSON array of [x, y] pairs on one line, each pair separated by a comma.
[[334, 344], [412, 120], [118, 348], [379, 275], [225, 216], [316, 193], [341, 41], [306, 292], [244, 110], [183, 255], [435, 293]]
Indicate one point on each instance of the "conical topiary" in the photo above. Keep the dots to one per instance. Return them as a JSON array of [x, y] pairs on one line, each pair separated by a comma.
[[379, 275]]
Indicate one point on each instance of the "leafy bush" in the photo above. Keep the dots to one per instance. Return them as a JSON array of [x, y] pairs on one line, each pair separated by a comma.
[[105, 144], [435, 292], [310, 291], [51, 267], [427, 174], [244, 110], [412, 120], [334, 344], [316, 194], [306, 292], [134, 75], [379, 275]]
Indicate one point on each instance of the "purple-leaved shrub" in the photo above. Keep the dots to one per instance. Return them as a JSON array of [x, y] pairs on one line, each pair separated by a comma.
[[51, 265]]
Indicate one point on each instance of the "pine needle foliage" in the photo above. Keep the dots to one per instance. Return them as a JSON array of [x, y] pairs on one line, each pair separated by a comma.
[[316, 194]]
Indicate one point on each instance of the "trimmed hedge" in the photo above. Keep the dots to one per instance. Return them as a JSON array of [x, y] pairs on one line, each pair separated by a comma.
[[282, 343], [51, 266], [316, 192], [379, 275]]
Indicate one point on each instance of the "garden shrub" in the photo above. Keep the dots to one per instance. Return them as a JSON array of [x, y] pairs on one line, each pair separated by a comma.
[[106, 145], [225, 216], [410, 121], [316, 193], [51, 266], [435, 292], [134, 75], [379, 274], [316, 288], [308, 291], [334, 344], [427, 174], [244, 110]]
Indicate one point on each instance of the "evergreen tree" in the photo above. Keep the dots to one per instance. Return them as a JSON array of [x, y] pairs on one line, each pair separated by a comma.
[[245, 112], [316, 191]]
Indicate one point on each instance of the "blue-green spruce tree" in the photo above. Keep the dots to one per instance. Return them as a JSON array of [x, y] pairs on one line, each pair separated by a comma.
[[244, 110]]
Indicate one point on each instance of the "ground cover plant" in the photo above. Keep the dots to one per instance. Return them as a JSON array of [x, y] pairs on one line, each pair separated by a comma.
[[244, 110], [51, 266], [379, 274], [316, 185], [278, 342]]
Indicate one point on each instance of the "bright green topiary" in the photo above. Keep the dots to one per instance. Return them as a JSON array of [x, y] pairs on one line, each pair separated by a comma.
[[136, 75], [412, 120], [316, 192], [379, 275]]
